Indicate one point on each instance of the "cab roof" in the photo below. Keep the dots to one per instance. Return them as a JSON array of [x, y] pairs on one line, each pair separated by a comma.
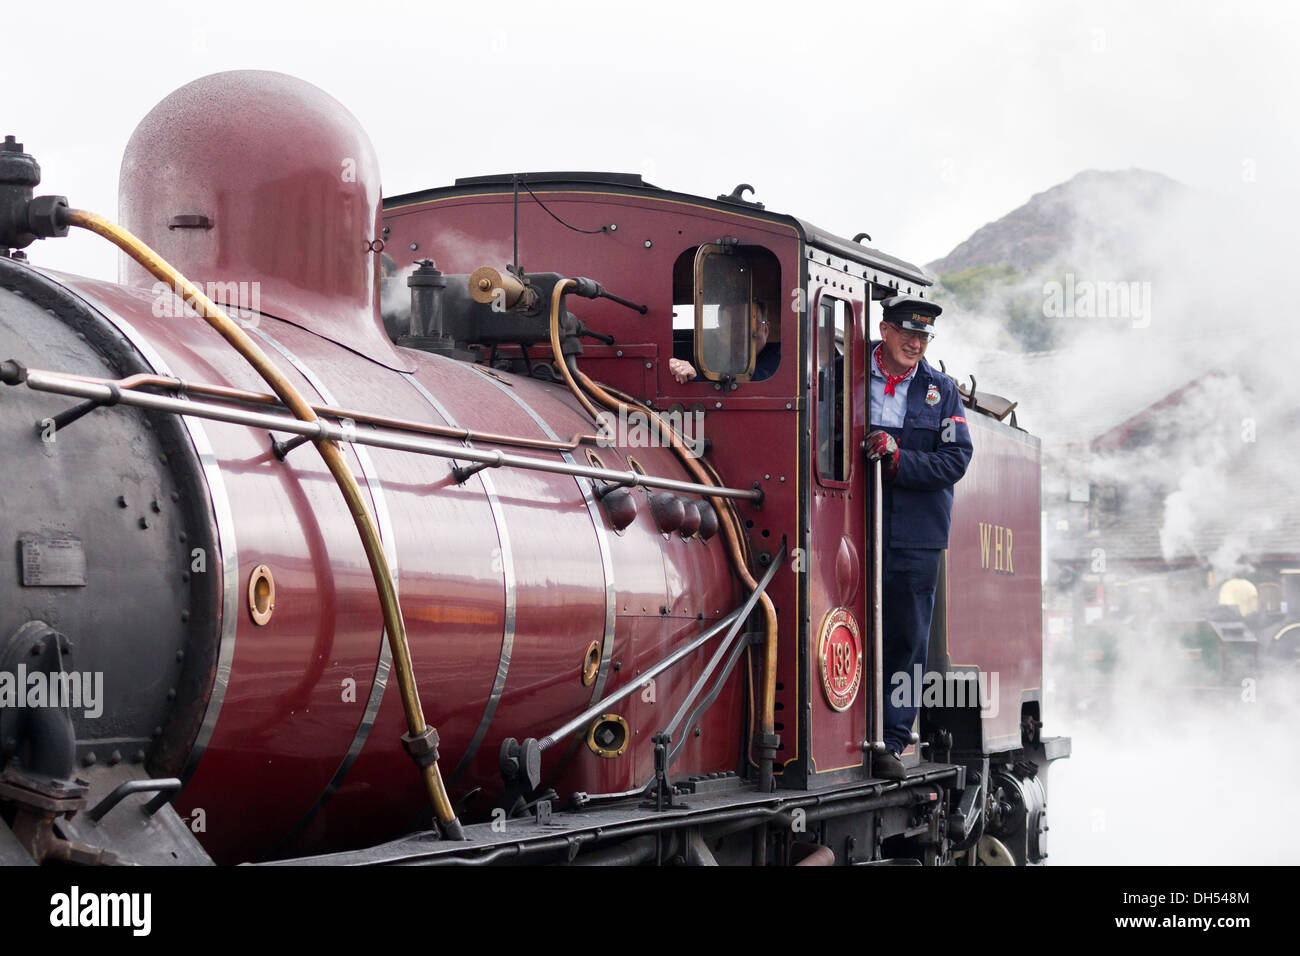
[[633, 184]]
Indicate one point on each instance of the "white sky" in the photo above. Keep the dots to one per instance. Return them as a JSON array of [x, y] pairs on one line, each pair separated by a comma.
[[916, 122]]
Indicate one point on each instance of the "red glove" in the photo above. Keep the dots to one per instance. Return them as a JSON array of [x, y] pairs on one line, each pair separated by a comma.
[[882, 447]]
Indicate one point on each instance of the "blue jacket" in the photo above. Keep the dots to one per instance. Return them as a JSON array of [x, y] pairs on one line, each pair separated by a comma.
[[935, 448], [767, 362]]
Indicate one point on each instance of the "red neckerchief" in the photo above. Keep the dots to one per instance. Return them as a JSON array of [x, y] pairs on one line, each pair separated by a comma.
[[890, 380]]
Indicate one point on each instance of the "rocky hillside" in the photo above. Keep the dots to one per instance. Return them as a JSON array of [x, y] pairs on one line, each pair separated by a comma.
[[1101, 212], [1100, 227]]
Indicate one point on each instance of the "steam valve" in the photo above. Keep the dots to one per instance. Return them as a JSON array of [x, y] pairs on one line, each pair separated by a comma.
[[426, 284], [428, 331], [22, 218]]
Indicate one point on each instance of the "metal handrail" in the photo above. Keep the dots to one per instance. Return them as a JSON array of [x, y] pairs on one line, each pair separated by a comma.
[[877, 741], [320, 429], [698, 686], [598, 708]]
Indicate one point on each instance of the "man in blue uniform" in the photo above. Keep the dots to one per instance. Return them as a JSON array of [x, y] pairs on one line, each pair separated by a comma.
[[919, 435]]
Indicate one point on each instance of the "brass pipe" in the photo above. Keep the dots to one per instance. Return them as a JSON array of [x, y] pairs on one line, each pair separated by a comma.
[[731, 529], [729, 513], [557, 298], [732, 535], [394, 625]]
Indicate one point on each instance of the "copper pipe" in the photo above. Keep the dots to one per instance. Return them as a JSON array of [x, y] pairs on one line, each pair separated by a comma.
[[728, 513], [732, 534], [731, 514], [394, 625], [731, 530], [749, 699], [332, 411], [557, 299]]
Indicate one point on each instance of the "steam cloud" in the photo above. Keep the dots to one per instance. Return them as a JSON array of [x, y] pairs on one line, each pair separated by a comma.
[[1173, 761], [452, 252]]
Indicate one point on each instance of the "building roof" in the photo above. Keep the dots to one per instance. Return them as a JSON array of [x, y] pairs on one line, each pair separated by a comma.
[[1205, 474]]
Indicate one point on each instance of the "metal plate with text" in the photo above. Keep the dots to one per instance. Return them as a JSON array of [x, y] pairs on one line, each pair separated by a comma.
[[52, 559]]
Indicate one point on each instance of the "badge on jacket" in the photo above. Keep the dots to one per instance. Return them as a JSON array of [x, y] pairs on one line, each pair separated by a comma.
[[932, 395]]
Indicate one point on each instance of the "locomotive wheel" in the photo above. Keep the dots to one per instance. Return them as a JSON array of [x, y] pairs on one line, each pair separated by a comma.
[[991, 851]]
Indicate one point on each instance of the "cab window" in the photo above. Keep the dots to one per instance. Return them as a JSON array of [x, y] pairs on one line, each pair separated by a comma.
[[726, 311], [834, 320]]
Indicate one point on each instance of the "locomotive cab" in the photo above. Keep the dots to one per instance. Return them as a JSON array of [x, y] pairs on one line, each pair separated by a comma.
[[774, 319]]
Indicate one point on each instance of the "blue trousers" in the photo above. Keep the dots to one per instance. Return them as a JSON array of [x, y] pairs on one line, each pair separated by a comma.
[[909, 579]]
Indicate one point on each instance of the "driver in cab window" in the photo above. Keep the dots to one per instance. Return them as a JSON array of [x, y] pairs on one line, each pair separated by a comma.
[[769, 353]]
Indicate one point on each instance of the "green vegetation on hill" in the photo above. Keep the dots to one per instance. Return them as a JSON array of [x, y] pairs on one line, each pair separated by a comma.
[[970, 287], [1002, 291]]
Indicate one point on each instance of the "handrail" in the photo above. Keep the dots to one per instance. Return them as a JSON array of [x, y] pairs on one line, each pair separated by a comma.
[[319, 429], [364, 418], [705, 674], [598, 708], [876, 743]]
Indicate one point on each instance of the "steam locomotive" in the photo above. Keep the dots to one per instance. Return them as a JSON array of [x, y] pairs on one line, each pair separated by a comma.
[[361, 530]]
